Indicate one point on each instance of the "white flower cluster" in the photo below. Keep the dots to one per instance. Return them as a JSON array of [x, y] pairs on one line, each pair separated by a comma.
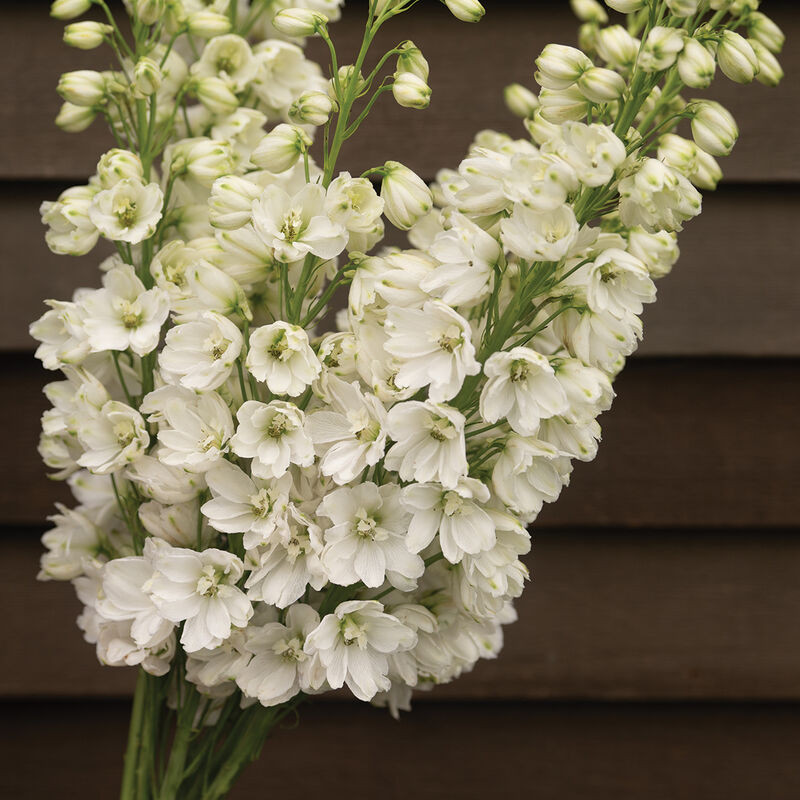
[[301, 510]]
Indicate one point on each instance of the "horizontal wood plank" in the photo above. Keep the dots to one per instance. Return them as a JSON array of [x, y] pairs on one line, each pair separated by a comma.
[[687, 444], [467, 78], [662, 615], [731, 292], [514, 752]]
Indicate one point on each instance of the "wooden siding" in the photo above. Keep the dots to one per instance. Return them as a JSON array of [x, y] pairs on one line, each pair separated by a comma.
[[657, 654]]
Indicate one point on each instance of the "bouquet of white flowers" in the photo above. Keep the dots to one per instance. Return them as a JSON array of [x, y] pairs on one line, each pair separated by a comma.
[[269, 509]]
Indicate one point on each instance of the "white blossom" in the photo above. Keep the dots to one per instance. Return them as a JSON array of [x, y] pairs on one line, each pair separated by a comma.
[[429, 443], [199, 589], [367, 539], [127, 212], [434, 348], [353, 644], [274, 436], [281, 357]]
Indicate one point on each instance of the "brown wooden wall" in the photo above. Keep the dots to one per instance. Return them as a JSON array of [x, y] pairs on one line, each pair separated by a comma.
[[657, 653]]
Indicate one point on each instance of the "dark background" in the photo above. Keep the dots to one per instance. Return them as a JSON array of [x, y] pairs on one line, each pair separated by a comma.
[[657, 653]]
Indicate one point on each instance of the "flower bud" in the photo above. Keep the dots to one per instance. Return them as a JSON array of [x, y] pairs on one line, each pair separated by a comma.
[[625, 6], [411, 91], [713, 127], [86, 35], [687, 158], [69, 9], [201, 158], [659, 251], [696, 64], [405, 195], [560, 106], [559, 66], [411, 60], [541, 130], [299, 22], [587, 37], [764, 30], [589, 11], [312, 108], [617, 47], [74, 119], [736, 57], [770, 72], [601, 85], [149, 11], [231, 202], [207, 24], [521, 102], [147, 78], [215, 94], [683, 8], [466, 10], [661, 48], [83, 87], [281, 148], [117, 165]]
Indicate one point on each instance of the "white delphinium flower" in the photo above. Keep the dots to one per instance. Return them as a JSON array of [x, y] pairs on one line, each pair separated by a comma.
[[593, 151], [429, 443], [180, 524], [230, 58], [617, 47], [456, 514], [618, 283], [574, 439], [399, 277], [164, 484], [713, 127], [599, 339], [467, 256], [61, 334], [521, 387], [687, 158], [113, 438], [366, 541], [496, 572], [274, 436], [214, 671], [283, 74], [540, 235], [433, 346], [353, 645], [297, 225], [354, 204], [350, 434], [123, 314], [242, 504], [559, 66], [289, 563], [657, 197], [281, 357], [127, 212], [116, 648], [406, 196], [661, 48], [529, 473], [70, 229], [199, 354], [658, 251], [193, 430], [588, 389], [71, 545], [125, 597], [199, 589], [281, 148], [279, 667], [539, 181]]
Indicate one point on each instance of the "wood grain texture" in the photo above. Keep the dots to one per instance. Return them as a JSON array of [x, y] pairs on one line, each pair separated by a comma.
[[734, 291], [513, 752], [688, 444], [470, 65], [656, 615]]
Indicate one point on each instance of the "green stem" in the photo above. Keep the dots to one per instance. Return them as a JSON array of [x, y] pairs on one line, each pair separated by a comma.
[[128, 791]]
